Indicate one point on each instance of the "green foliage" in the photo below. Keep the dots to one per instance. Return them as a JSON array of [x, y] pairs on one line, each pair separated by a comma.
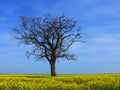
[[60, 82]]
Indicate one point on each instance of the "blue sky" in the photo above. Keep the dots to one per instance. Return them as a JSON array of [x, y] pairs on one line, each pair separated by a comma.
[[99, 18]]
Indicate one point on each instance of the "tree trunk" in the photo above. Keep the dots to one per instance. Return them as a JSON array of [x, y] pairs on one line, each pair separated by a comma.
[[53, 73]]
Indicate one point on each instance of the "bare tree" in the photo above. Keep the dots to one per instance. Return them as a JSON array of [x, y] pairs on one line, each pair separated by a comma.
[[50, 37]]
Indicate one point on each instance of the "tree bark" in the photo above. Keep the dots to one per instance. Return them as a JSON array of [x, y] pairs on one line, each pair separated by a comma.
[[53, 73]]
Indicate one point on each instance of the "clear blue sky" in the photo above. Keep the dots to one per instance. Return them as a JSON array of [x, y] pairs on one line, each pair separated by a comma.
[[99, 18]]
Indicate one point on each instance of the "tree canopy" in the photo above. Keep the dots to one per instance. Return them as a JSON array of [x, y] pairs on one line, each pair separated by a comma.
[[51, 37]]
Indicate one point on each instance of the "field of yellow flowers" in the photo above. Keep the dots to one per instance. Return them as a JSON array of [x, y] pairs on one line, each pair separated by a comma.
[[60, 82]]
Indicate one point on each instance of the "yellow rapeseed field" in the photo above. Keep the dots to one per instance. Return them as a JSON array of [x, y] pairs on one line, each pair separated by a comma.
[[60, 82]]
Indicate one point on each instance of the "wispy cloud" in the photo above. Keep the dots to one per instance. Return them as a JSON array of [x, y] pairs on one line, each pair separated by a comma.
[[99, 18], [8, 47], [8, 8], [101, 48], [3, 18], [13, 58]]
